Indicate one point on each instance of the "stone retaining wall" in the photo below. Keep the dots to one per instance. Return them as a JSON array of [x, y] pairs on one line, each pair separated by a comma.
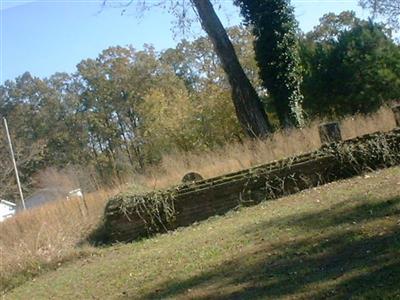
[[130, 216]]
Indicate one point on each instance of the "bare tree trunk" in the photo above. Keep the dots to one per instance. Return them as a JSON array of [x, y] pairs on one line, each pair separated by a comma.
[[249, 108]]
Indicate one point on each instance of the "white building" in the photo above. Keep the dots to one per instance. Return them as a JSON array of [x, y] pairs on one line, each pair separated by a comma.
[[7, 209], [77, 193]]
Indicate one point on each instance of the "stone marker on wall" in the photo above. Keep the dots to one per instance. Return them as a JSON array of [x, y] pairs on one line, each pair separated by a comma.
[[330, 133], [191, 177], [396, 112]]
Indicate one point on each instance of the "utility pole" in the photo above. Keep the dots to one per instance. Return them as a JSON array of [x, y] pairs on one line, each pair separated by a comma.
[[15, 164]]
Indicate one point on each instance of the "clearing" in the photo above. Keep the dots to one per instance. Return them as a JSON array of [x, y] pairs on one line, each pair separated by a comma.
[[341, 240]]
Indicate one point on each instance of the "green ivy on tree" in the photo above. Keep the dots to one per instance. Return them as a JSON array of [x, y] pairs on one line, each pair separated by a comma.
[[277, 54]]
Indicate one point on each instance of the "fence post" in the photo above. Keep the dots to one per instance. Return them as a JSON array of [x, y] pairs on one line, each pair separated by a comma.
[[330, 133], [15, 164], [396, 112]]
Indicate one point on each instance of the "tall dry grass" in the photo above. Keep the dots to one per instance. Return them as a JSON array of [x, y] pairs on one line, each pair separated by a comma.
[[281, 144], [46, 236]]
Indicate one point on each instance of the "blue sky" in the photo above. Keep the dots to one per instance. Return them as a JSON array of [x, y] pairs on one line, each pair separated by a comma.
[[44, 37]]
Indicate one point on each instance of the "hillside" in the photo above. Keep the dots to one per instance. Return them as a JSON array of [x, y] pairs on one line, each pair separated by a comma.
[[335, 241]]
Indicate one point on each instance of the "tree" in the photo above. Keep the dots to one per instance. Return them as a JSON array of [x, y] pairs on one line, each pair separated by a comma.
[[20, 103], [196, 63], [332, 25], [390, 9], [168, 119], [28, 157], [115, 84], [198, 66], [121, 112], [354, 71], [249, 108], [277, 53]]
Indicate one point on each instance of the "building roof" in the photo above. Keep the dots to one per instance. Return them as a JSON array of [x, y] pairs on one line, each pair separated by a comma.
[[9, 203]]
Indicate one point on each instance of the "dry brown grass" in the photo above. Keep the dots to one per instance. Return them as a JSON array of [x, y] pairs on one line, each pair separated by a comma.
[[46, 236], [234, 157]]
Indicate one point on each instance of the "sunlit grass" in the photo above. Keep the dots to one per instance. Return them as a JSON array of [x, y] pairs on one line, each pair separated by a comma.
[[338, 241], [40, 239]]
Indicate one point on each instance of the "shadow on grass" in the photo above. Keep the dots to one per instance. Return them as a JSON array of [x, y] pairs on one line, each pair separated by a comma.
[[342, 213], [337, 264]]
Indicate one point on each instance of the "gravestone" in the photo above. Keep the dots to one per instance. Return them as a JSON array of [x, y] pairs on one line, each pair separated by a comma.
[[192, 177], [330, 133]]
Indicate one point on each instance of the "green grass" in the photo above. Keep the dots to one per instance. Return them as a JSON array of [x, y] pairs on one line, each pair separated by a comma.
[[338, 241]]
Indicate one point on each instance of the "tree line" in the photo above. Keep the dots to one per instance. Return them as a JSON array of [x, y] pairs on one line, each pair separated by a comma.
[[120, 112]]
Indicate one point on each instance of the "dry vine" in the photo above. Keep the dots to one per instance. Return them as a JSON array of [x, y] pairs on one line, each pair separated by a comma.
[[155, 209]]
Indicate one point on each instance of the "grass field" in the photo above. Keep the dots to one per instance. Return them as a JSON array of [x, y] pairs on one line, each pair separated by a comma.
[[38, 240], [338, 241]]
